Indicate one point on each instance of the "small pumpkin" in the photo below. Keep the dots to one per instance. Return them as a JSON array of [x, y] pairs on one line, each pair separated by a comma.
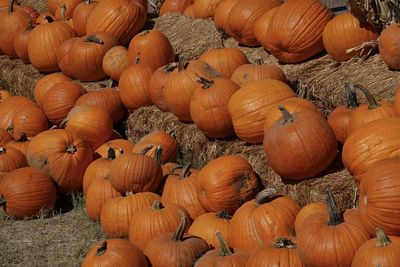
[[115, 61]]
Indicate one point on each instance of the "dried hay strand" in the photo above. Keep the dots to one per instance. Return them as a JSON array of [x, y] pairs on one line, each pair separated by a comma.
[[197, 149], [39, 5]]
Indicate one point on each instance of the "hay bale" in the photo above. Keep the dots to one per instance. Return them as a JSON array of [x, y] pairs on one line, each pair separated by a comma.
[[197, 149]]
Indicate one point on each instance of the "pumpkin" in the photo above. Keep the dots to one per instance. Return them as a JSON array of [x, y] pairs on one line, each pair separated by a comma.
[[189, 11], [52, 5], [121, 18], [294, 33], [63, 57], [66, 9], [132, 172], [225, 183], [120, 145], [293, 105], [283, 252], [209, 107], [373, 142], [225, 60], [105, 98], [221, 13], [306, 211], [60, 100], [27, 191], [11, 23], [203, 9], [261, 26], [20, 144], [207, 224], [115, 62], [4, 94], [45, 17], [94, 124], [378, 202], [380, 251], [388, 46], [339, 119], [44, 84], [249, 105], [242, 18], [21, 43], [396, 101], [300, 145], [10, 107], [10, 159], [346, 32], [365, 114], [32, 12], [224, 256], [175, 249], [30, 120], [116, 215], [249, 73], [5, 137], [259, 221], [174, 6], [180, 189], [157, 84], [63, 155], [113, 252], [342, 237], [153, 48], [134, 84], [153, 221], [81, 14]]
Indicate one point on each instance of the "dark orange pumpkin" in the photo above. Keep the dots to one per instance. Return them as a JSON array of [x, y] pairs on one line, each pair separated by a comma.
[[261, 26], [10, 159], [63, 56], [30, 121], [120, 145], [20, 144], [10, 107], [222, 12], [81, 14], [115, 61], [21, 43], [44, 84]]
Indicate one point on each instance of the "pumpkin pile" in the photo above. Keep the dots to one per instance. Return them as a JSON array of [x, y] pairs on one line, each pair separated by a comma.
[[158, 211]]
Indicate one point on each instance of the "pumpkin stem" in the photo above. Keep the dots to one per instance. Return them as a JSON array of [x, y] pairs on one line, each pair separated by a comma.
[[259, 62], [334, 217], [93, 39], [170, 67], [102, 248], [113, 84], [10, 6], [372, 103], [49, 19], [225, 251], [382, 239], [158, 155], [185, 171], [111, 153], [30, 25], [179, 232], [146, 149], [71, 149], [88, 2], [3, 202], [223, 215], [264, 195], [3, 150], [223, 36], [63, 9], [351, 97], [283, 242], [287, 117], [157, 205], [138, 60], [206, 83], [182, 63], [23, 137], [10, 128]]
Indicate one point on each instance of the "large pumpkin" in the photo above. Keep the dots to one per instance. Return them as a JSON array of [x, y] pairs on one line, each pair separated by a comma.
[[295, 31]]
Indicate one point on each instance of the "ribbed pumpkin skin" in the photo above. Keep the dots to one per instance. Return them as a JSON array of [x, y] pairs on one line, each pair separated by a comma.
[[379, 204], [339, 120], [204, 8], [115, 61], [174, 6], [373, 142], [213, 258], [121, 18], [222, 13], [261, 26], [80, 16], [63, 57], [389, 46], [118, 252], [11, 159], [49, 152], [21, 45], [295, 31], [116, 214], [157, 84], [308, 210], [10, 107], [120, 145], [43, 43], [273, 256], [69, 10], [225, 183], [30, 121], [242, 18], [44, 84], [153, 47], [27, 191], [344, 32], [248, 107], [96, 170], [300, 149], [249, 73]]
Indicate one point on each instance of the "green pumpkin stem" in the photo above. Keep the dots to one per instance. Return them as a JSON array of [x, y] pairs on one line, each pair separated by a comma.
[[111, 153], [225, 251], [23, 137], [263, 195], [182, 63], [102, 248], [157, 205], [372, 103], [382, 240], [170, 67], [10, 6], [283, 242], [259, 62], [49, 19], [351, 97], [71, 149], [206, 83], [334, 217], [286, 116], [180, 231], [113, 84], [158, 155], [223, 215], [185, 171], [3, 150], [93, 39]]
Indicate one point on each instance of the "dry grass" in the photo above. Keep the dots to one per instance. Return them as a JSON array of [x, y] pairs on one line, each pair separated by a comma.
[[58, 238]]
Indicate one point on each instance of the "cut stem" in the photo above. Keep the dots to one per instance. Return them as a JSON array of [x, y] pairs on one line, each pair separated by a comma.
[[225, 251], [94, 39], [10, 6], [286, 116], [102, 248], [23, 137], [157, 205], [182, 63], [71, 149], [185, 171], [206, 83], [372, 103], [3, 150], [88, 2], [111, 153], [334, 217], [382, 240], [264, 195], [158, 155], [223, 215], [351, 96], [180, 231], [283, 242], [259, 62]]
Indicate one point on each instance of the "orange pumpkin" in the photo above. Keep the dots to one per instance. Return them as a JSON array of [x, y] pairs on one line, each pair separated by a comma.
[[174, 6], [81, 14], [44, 84], [115, 62]]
